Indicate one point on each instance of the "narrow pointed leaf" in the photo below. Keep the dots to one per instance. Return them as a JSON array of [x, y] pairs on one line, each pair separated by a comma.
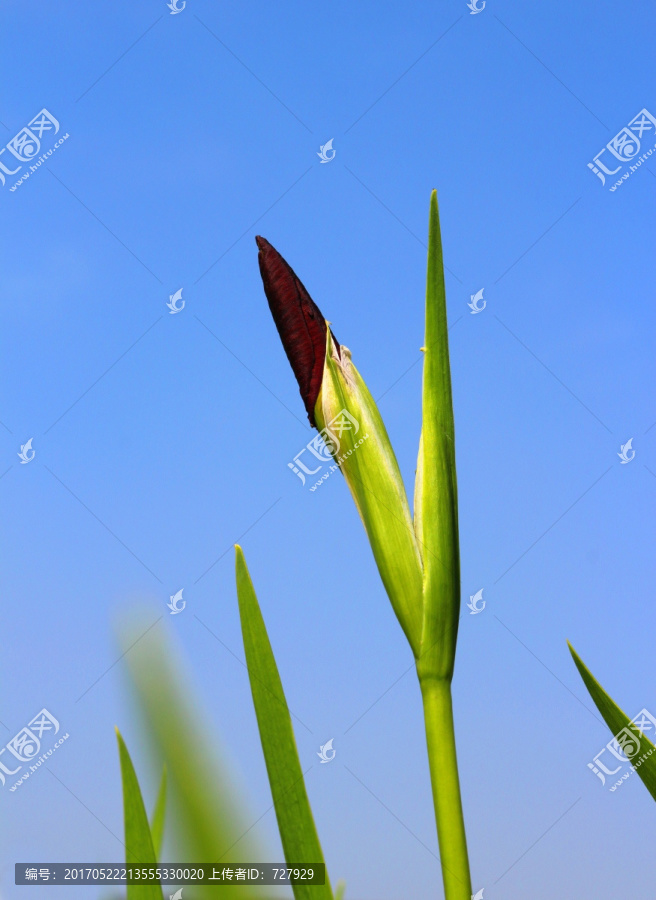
[[295, 821], [139, 848], [436, 496], [355, 433], [616, 720], [159, 816]]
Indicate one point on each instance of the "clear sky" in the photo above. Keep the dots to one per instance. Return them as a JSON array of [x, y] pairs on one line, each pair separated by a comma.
[[160, 439]]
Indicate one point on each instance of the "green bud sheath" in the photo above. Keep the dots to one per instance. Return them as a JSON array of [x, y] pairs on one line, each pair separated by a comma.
[[349, 420]]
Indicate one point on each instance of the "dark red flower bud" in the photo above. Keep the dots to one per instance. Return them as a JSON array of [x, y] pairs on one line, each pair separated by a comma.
[[302, 328]]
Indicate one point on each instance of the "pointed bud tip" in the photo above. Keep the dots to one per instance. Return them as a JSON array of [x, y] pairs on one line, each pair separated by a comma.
[[301, 326]]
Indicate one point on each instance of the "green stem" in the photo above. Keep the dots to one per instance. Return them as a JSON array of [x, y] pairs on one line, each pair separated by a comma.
[[441, 741]]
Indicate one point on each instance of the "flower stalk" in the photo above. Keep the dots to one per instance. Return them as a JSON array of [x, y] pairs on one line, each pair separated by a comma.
[[443, 763]]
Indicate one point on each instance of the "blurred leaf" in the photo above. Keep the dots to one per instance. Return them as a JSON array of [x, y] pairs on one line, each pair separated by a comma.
[[209, 823], [159, 816], [436, 493], [138, 841], [339, 890], [295, 822], [616, 720]]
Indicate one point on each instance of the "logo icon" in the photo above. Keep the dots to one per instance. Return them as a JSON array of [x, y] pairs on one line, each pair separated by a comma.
[[27, 743], [474, 301], [177, 604], [173, 6], [26, 453], [173, 299], [626, 453], [178, 894], [627, 742], [473, 5], [474, 600], [327, 754], [325, 150], [27, 143], [478, 896]]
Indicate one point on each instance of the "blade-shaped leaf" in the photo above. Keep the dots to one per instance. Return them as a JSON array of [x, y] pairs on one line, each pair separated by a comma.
[[617, 720], [138, 841], [159, 816], [436, 495], [295, 821], [210, 821]]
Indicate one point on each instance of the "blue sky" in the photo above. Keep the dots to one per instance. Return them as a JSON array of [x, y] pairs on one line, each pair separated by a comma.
[[161, 439]]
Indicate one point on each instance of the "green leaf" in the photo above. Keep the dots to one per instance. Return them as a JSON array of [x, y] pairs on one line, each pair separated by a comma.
[[210, 821], [138, 841], [617, 720], [159, 815], [436, 493], [339, 890], [295, 822], [361, 446]]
